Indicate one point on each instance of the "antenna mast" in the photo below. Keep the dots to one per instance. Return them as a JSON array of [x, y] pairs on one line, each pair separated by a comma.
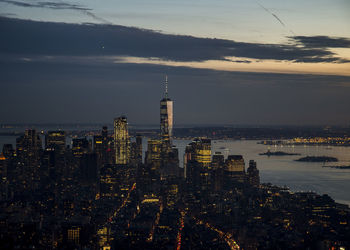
[[166, 86]]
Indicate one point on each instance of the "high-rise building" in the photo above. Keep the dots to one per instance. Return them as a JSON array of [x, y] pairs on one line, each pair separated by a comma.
[[121, 141], [28, 151], [166, 116], [200, 151], [198, 164], [169, 154], [153, 154], [80, 146], [104, 147], [28, 147], [56, 140], [136, 151], [235, 168], [218, 161], [139, 148], [253, 174]]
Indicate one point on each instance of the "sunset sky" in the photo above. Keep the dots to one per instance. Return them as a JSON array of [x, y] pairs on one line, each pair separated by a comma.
[[229, 62]]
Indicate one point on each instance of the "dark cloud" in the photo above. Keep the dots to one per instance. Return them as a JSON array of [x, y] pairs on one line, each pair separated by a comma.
[[61, 93], [58, 6], [322, 41], [240, 61], [8, 14], [49, 5], [25, 38]]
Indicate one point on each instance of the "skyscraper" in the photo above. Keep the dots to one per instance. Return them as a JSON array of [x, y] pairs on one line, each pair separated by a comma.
[[198, 164], [166, 116], [199, 151], [169, 154], [235, 168], [80, 146], [121, 140], [56, 140], [28, 147], [253, 174], [153, 154]]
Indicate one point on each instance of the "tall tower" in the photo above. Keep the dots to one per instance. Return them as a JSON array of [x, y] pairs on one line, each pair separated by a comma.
[[121, 140], [166, 116]]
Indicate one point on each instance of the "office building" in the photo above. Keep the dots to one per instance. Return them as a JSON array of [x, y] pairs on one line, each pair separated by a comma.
[[80, 146], [121, 141], [235, 168], [166, 116], [56, 140], [253, 174], [153, 154]]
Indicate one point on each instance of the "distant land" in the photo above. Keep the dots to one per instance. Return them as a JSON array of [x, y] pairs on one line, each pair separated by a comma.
[[338, 167], [278, 153], [318, 159], [268, 135]]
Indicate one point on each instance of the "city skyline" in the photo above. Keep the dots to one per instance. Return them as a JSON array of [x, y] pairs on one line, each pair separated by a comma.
[[174, 124], [98, 193]]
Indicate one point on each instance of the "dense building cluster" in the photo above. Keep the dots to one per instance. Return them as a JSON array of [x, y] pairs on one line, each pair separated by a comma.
[[101, 193]]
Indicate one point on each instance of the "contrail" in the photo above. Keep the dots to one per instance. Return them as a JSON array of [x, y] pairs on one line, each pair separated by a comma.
[[275, 16], [90, 14], [279, 19]]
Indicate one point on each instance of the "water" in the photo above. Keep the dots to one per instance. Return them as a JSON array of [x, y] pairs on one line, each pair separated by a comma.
[[281, 170], [284, 171]]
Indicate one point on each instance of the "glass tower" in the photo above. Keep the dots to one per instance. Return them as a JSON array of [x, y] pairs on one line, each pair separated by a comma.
[[166, 116], [121, 140]]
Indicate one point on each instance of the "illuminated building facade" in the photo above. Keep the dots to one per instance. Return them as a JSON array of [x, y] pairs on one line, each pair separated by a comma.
[[108, 181], [235, 168], [166, 116], [56, 140], [80, 146], [98, 147], [198, 164], [73, 234], [153, 154], [199, 151], [121, 141]]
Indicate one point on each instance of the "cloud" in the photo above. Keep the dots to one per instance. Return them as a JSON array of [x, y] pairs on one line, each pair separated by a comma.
[[58, 6], [322, 41], [61, 39], [49, 5], [61, 92], [8, 14]]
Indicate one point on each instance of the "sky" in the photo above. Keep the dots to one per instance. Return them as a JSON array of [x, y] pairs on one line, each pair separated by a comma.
[[229, 62]]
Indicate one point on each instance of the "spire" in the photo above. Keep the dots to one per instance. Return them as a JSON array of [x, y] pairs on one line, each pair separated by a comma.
[[166, 86]]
